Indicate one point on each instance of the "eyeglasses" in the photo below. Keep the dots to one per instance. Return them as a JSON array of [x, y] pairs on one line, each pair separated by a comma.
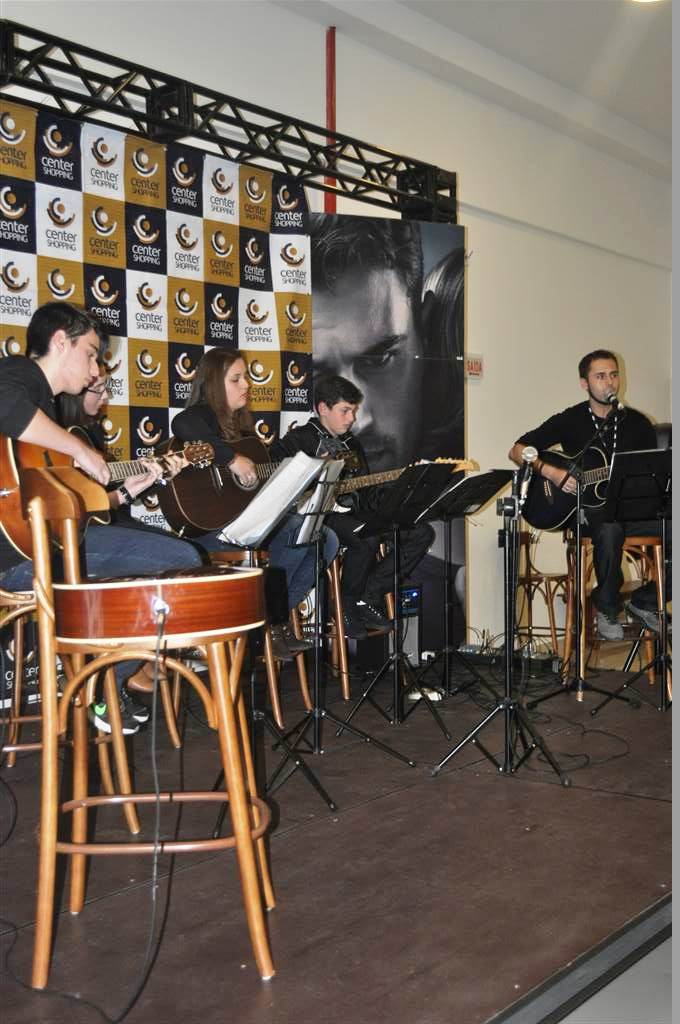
[[96, 391]]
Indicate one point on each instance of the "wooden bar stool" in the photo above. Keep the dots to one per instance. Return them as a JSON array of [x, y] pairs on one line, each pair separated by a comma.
[[646, 551], [533, 581], [116, 620]]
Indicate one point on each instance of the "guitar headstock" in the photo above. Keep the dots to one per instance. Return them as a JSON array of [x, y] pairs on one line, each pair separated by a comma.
[[198, 453], [460, 465]]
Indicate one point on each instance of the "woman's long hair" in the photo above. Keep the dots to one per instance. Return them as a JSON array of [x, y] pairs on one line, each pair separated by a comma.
[[209, 388]]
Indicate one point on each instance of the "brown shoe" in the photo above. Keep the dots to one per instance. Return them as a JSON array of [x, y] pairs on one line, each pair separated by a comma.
[[142, 680]]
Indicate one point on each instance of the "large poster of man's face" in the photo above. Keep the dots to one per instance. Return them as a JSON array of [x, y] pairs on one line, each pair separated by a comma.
[[388, 314], [387, 301]]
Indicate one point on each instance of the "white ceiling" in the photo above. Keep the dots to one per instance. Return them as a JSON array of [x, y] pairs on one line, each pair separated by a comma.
[[599, 70]]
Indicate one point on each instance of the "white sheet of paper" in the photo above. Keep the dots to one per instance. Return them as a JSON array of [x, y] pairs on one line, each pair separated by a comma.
[[272, 501]]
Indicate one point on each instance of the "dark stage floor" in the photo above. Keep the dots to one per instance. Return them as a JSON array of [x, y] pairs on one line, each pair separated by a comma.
[[420, 901]]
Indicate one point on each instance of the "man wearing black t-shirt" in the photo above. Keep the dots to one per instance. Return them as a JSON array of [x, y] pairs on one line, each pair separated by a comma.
[[620, 430], [63, 345]]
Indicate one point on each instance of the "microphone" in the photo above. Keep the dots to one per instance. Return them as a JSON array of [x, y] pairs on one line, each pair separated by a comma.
[[529, 456], [612, 399]]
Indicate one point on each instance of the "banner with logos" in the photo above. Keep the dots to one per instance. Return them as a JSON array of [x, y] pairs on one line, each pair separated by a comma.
[[174, 249]]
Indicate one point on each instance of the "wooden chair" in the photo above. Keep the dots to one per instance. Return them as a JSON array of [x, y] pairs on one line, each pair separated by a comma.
[[533, 581], [109, 621]]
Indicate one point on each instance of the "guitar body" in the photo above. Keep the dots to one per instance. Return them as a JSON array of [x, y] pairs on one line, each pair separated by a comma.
[[198, 501], [15, 456], [548, 507]]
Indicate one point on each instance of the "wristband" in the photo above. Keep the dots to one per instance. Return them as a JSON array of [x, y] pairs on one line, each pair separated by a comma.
[[125, 495]]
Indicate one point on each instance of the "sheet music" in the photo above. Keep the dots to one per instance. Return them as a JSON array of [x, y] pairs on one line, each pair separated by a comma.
[[320, 502], [272, 501]]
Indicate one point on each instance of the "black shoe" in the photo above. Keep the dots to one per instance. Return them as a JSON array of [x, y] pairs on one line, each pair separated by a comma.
[[645, 616], [139, 711], [280, 648], [353, 621], [294, 643], [99, 716], [373, 618]]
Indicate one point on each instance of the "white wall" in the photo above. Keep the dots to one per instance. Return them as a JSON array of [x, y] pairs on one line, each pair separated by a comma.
[[571, 248]]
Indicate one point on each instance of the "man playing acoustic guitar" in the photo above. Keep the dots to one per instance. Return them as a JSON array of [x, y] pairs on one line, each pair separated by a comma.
[[63, 345], [365, 581], [621, 430]]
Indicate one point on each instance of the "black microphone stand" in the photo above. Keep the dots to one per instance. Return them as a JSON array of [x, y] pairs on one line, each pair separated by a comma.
[[515, 719]]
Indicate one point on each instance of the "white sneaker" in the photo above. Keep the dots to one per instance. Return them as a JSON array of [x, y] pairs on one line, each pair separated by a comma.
[[433, 695]]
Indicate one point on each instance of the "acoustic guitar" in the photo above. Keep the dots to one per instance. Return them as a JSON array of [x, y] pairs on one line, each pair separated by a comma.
[[18, 455], [202, 500], [548, 507]]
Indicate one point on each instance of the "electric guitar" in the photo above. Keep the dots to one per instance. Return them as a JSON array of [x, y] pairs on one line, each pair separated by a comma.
[[548, 507], [18, 455], [199, 501]]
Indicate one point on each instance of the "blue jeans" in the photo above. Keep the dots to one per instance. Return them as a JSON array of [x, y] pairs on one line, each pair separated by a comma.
[[290, 576], [116, 551]]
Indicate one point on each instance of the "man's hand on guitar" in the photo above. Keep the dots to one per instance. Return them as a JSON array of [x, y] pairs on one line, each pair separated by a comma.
[[92, 463], [244, 470], [557, 476]]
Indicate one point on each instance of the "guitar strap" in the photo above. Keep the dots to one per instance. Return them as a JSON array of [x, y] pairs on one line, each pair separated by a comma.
[[605, 431]]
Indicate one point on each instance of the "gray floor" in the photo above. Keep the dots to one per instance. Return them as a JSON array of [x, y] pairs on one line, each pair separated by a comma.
[[642, 995]]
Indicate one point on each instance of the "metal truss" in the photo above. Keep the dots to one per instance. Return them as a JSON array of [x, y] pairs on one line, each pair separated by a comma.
[[87, 85]]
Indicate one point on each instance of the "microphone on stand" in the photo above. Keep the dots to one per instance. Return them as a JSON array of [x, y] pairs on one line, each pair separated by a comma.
[[529, 456], [612, 399]]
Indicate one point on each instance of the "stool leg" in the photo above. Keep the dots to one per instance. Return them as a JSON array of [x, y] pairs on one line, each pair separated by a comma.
[[272, 678], [267, 887], [340, 640], [568, 627], [120, 751], [47, 839], [169, 711], [300, 662], [15, 711], [80, 785], [239, 806]]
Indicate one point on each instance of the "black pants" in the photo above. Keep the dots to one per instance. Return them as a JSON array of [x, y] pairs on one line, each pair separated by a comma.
[[608, 541], [363, 577]]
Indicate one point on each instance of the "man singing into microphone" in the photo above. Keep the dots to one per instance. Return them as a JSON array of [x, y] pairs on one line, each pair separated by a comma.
[[620, 430]]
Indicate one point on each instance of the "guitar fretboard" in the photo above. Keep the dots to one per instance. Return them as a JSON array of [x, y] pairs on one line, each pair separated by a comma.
[[121, 470], [593, 476]]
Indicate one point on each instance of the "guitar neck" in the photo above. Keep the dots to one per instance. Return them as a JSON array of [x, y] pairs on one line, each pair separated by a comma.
[[355, 483], [594, 476], [121, 470]]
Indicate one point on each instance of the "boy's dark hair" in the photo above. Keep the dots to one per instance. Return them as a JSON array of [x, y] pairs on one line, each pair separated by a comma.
[[59, 316], [587, 361], [332, 388]]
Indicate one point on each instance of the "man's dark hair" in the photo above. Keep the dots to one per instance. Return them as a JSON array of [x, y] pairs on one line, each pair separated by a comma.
[[587, 361], [332, 389], [59, 316], [343, 244]]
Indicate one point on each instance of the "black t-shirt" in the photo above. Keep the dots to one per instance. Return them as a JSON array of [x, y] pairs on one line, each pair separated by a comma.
[[24, 389], [573, 429]]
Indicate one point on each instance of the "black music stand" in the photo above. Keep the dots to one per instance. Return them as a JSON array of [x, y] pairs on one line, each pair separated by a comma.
[[464, 497], [310, 532], [640, 488], [411, 495], [514, 717], [262, 715]]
